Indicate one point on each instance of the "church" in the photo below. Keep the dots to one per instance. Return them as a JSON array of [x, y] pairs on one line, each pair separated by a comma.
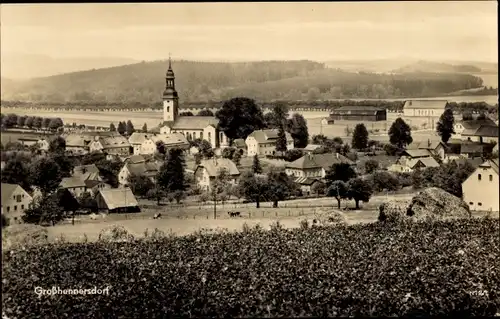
[[192, 127]]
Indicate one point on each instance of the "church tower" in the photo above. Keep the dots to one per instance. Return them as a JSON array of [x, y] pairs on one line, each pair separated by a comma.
[[170, 97]]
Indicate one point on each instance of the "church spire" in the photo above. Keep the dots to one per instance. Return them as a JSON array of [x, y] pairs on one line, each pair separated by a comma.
[[169, 62]]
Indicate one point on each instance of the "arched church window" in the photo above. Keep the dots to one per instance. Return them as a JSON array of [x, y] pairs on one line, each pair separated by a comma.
[[168, 108]]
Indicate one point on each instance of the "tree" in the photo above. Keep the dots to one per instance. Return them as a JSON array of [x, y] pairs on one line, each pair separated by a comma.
[[218, 186], [445, 125], [205, 112], [383, 180], [340, 172], [281, 141], [129, 128], [45, 210], [29, 122], [171, 174], [140, 184], [359, 190], [46, 122], [122, 127], [65, 163], [400, 134], [228, 152], [293, 154], [277, 117], [239, 117], [186, 114], [67, 202], [253, 188], [280, 186], [371, 166], [337, 189], [197, 158], [55, 123], [417, 178], [45, 173], [112, 127], [86, 201], [467, 116], [360, 137], [16, 172], [157, 194], [256, 167], [161, 148], [21, 120], [318, 188], [37, 122], [481, 116], [237, 158], [145, 128], [319, 139], [57, 145], [297, 127]]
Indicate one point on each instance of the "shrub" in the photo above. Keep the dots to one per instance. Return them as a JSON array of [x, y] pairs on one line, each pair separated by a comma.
[[116, 233], [5, 221], [418, 269], [23, 235]]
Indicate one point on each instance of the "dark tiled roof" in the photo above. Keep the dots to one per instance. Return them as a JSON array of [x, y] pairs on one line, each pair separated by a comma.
[[117, 198], [265, 136], [213, 166], [319, 161], [471, 148], [357, 110], [193, 122]]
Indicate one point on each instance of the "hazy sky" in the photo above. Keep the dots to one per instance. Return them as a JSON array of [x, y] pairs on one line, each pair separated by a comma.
[[449, 30]]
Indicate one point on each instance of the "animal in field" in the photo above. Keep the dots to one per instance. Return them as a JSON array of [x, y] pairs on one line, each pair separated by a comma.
[[233, 214], [157, 216]]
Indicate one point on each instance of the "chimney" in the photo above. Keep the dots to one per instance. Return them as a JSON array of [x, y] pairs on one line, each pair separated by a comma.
[[337, 155]]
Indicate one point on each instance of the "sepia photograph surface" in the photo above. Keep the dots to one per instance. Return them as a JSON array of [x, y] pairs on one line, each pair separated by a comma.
[[330, 159]]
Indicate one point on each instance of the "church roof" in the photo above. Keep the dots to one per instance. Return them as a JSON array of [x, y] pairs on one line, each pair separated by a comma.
[[193, 122]]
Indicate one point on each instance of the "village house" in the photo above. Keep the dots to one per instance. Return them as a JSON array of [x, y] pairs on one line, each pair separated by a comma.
[[172, 140], [149, 169], [136, 140], [134, 159], [435, 148], [263, 142], [481, 188], [310, 148], [208, 170], [118, 200], [15, 200], [192, 127], [87, 172], [431, 110], [482, 133], [328, 121], [94, 186], [240, 146], [460, 126], [471, 150], [315, 165], [43, 144], [359, 113], [115, 145], [74, 185], [306, 184], [413, 159], [77, 144]]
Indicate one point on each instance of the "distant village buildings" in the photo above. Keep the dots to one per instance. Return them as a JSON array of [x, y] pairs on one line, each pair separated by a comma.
[[263, 142], [358, 113]]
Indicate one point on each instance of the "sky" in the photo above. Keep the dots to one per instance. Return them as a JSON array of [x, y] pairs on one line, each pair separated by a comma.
[[462, 30]]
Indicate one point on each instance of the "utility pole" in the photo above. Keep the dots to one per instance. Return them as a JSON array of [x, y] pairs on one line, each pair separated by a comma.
[[215, 201]]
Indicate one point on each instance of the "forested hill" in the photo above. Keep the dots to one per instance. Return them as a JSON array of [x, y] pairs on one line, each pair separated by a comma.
[[202, 81]]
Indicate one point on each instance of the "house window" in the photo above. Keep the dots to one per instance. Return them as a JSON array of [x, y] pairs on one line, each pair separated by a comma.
[[201, 135], [479, 204], [210, 137], [471, 203], [8, 209], [491, 178], [18, 198], [168, 108], [22, 207], [478, 177], [15, 208]]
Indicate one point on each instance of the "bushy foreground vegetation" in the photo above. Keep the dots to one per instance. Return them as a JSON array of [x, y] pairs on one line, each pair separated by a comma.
[[444, 267]]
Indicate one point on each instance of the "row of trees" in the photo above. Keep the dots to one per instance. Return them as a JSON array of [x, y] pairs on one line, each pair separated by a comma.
[[124, 128], [204, 112], [31, 122]]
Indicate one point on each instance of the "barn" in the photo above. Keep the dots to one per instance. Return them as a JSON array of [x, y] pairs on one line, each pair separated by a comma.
[[118, 200], [359, 113]]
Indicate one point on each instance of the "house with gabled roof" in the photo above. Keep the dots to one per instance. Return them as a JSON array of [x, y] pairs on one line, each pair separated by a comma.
[[471, 150], [359, 113], [75, 185], [482, 133], [315, 165], [118, 200], [481, 189], [112, 145], [460, 126], [149, 169], [435, 148], [172, 140], [424, 108], [208, 170], [77, 144], [263, 142], [306, 184], [15, 200], [192, 127]]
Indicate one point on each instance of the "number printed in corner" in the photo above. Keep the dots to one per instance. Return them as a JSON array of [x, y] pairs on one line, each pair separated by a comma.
[[479, 293]]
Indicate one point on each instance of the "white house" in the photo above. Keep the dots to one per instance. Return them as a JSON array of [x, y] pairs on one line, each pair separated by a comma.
[[15, 200], [149, 169], [481, 188], [172, 140], [207, 171], [424, 108], [315, 165], [77, 144], [263, 142], [436, 148], [192, 127], [75, 185]]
